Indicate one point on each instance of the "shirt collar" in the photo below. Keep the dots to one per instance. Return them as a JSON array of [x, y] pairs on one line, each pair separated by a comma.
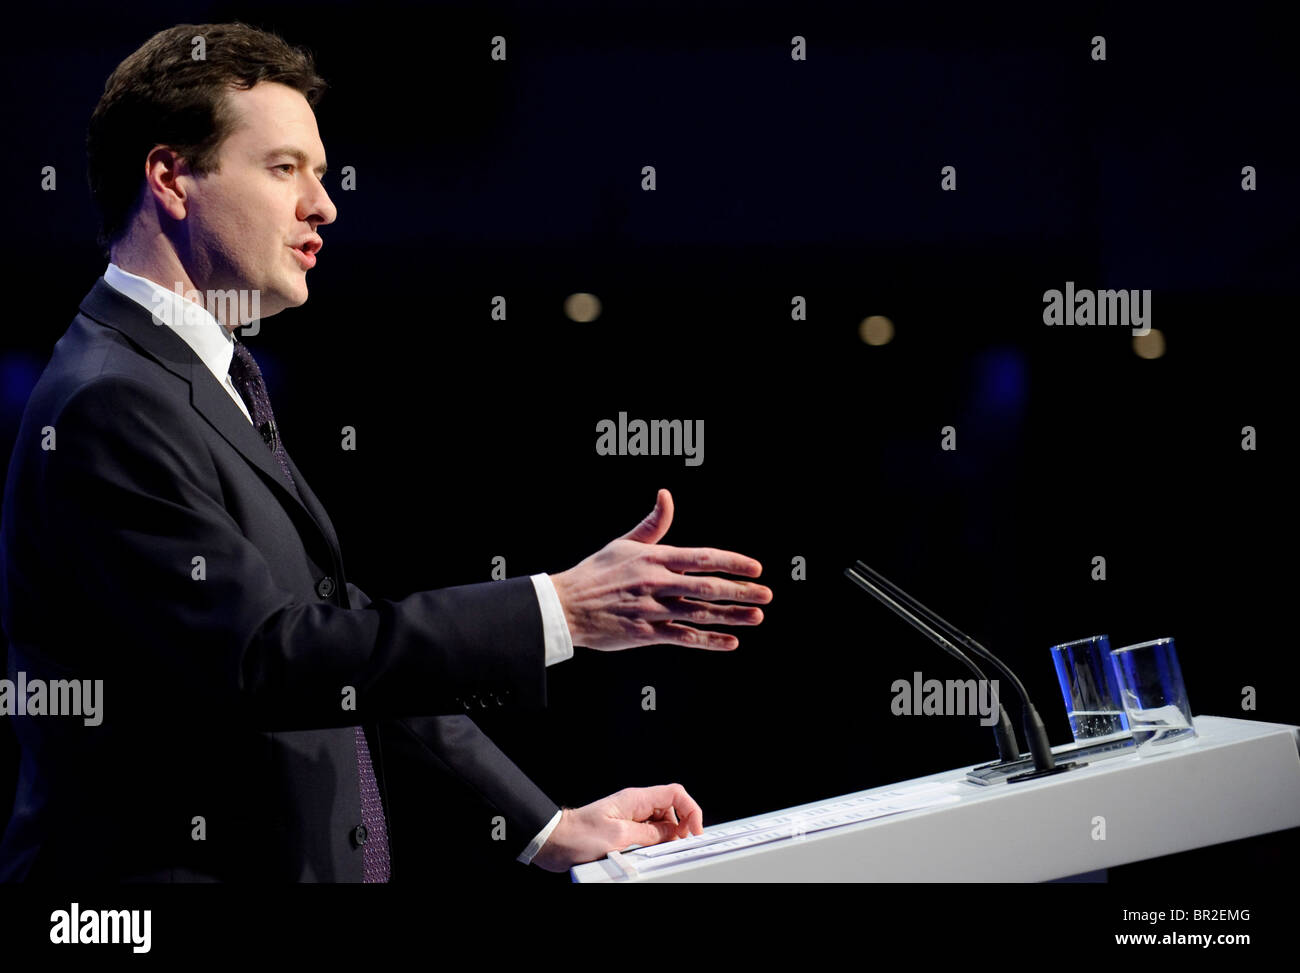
[[192, 322]]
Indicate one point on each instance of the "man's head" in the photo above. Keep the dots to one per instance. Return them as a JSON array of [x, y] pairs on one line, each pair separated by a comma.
[[205, 160]]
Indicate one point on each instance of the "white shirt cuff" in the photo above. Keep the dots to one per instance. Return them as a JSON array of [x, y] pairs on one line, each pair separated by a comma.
[[555, 630], [534, 846]]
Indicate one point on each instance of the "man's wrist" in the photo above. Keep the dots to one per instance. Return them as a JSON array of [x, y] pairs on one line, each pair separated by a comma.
[[553, 855], [560, 584]]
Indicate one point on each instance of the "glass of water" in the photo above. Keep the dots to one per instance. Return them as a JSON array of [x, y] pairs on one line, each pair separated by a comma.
[[1155, 699], [1088, 685]]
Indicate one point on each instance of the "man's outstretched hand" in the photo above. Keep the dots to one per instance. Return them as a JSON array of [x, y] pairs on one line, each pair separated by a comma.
[[636, 591], [633, 816]]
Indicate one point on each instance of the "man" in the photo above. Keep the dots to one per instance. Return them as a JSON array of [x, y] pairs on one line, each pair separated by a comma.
[[156, 535]]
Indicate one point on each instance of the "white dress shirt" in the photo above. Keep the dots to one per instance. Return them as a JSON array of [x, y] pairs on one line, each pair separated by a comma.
[[215, 348]]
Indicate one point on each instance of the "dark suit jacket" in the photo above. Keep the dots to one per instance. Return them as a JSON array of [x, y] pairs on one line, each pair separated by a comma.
[[222, 696]]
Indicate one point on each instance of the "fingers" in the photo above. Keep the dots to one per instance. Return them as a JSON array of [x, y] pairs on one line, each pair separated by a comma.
[[696, 559], [670, 633], [702, 613], [656, 523], [713, 589], [651, 832], [666, 814], [644, 803]]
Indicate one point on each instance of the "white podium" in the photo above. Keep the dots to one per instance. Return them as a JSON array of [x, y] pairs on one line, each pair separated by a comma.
[[1238, 779]]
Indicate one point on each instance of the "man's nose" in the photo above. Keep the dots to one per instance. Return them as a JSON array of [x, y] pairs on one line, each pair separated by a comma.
[[318, 207]]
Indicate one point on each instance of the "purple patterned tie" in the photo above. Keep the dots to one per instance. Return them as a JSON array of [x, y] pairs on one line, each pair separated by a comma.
[[249, 384], [376, 865], [373, 833]]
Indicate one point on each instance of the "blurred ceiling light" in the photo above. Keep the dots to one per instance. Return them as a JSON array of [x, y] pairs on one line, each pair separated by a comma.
[[876, 330], [582, 307], [1150, 345]]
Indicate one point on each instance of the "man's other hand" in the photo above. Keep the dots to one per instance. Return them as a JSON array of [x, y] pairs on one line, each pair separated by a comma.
[[635, 591], [633, 816]]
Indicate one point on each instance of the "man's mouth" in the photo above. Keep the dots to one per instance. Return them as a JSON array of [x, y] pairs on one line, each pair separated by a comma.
[[306, 254], [306, 249]]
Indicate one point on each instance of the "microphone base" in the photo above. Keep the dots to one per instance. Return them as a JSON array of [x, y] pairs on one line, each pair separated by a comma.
[[1016, 771], [1034, 774], [996, 773]]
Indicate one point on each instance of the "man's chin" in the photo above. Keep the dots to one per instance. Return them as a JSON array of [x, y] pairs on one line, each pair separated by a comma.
[[299, 296], [274, 303]]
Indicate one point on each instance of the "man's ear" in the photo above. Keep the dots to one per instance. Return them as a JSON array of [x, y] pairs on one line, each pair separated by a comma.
[[163, 176]]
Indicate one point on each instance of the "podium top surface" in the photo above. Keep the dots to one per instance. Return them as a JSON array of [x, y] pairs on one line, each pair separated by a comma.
[[1196, 770]]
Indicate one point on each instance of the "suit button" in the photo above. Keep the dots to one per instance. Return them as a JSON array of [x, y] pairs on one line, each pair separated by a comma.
[[325, 587], [500, 702], [359, 835]]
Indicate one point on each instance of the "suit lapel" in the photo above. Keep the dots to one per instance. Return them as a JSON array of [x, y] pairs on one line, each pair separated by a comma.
[[114, 309], [313, 505]]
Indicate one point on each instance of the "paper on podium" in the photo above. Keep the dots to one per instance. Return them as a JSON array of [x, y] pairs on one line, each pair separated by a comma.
[[791, 824]]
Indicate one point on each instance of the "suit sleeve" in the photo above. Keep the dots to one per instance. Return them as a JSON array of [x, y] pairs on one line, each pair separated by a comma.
[[455, 747], [131, 497]]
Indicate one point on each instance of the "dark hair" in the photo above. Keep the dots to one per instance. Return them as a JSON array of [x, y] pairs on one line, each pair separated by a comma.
[[162, 95]]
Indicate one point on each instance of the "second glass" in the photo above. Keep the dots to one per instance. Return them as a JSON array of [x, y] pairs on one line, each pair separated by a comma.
[[1155, 698]]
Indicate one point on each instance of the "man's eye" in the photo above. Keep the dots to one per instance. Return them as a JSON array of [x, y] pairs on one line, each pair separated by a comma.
[[286, 165]]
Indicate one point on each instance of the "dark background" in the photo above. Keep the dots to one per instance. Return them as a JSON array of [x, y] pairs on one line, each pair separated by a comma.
[[776, 178]]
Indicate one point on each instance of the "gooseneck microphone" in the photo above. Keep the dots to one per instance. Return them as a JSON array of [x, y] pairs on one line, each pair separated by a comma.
[[1008, 748], [944, 634]]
